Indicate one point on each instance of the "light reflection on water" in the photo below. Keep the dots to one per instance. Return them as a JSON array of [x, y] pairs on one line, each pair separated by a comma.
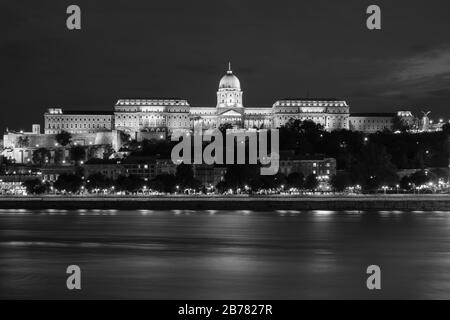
[[181, 254]]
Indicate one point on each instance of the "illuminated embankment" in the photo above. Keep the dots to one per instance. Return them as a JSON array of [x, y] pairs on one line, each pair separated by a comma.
[[256, 203]]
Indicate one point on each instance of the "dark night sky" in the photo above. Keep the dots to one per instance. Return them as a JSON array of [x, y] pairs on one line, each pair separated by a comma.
[[278, 49]]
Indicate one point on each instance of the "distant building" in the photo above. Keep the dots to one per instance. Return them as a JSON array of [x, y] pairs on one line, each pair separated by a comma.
[[165, 166], [146, 171], [20, 146], [11, 181], [51, 173], [320, 166], [146, 167], [156, 118], [371, 122], [209, 175], [153, 118], [330, 113], [110, 169], [11, 187], [76, 122]]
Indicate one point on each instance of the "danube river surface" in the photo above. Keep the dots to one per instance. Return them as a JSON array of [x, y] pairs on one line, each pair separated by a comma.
[[224, 255]]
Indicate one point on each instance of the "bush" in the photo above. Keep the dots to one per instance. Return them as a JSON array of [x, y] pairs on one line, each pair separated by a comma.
[[36, 186]]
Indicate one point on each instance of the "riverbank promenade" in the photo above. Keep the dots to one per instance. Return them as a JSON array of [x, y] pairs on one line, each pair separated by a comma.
[[409, 202]]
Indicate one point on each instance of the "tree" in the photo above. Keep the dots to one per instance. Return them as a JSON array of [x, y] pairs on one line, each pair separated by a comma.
[[222, 186], [41, 156], [77, 153], [398, 124], [59, 156], [224, 127], [440, 173], [185, 177], [301, 136], [295, 180], [311, 128], [124, 137], [98, 181], [340, 181], [69, 183], [405, 183], [36, 186], [239, 175], [129, 183], [279, 180], [446, 129], [23, 142], [421, 177], [374, 168], [311, 182], [164, 183], [63, 138], [153, 147], [108, 151]]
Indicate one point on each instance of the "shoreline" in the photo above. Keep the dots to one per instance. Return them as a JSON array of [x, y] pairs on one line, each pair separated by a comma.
[[440, 202]]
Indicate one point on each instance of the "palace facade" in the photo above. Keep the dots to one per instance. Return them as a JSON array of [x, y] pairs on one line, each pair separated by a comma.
[[158, 118], [135, 116]]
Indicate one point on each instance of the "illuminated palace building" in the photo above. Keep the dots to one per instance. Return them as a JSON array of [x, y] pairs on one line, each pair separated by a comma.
[[140, 116], [158, 118]]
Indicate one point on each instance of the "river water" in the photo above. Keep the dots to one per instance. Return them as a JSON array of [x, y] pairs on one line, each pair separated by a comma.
[[224, 255]]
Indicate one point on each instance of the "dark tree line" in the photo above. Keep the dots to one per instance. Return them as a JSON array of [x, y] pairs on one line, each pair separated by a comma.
[[406, 150], [97, 182], [372, 160], [248, 179]]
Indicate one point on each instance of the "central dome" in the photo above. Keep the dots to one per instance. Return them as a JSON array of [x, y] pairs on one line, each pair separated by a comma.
[[229, 94], [229, 81]]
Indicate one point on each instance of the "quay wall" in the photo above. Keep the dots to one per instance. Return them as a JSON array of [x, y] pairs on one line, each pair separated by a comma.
[[360, 203]]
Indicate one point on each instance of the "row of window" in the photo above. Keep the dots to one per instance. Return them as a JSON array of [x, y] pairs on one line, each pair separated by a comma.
[[123, 117], [371, 128], [387, 121], [77, 126], [70, 119]]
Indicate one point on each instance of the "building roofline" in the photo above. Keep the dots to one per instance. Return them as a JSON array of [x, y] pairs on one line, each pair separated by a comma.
[[311, 99], [373, 114], [151, 100], [83, 112]]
